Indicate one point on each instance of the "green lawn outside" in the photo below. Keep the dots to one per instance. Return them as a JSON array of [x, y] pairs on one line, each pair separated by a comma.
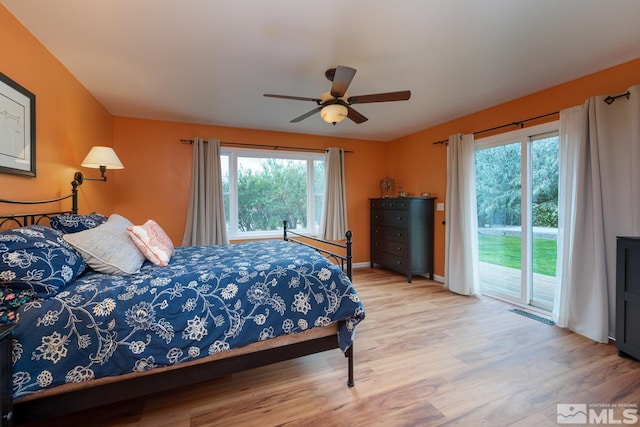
[[505, 251]]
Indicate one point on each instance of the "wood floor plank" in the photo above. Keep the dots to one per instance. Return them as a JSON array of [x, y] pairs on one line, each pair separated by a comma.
[[423, 356]]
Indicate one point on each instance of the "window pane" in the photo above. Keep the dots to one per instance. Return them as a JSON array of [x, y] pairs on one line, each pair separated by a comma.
[[498, 193], [318, 191], [545, 172], [318, 176], [262, 188], [224, 166], [269, 191]]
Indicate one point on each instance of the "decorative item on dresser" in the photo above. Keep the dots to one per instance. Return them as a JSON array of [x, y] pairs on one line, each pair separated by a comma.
[[402, 234], [628, 297], [386, 187]]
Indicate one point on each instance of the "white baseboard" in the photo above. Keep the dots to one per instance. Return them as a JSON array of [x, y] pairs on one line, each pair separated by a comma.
[[361, 265]]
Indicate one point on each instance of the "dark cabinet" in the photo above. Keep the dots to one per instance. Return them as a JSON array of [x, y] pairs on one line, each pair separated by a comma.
[[402, 234], [628, 296]]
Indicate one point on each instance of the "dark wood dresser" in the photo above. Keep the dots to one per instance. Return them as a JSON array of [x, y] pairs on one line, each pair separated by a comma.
[[628, 296], [402, 234]]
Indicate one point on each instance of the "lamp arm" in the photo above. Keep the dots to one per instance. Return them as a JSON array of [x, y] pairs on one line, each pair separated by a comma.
[[79, 178]]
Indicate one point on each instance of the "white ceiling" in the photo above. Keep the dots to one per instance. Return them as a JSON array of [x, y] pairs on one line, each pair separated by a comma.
[[210, 61]]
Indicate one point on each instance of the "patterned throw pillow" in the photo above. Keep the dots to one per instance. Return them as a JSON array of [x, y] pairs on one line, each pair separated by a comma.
[[108, 248], [35, 259], [153, 242], [72, 223]]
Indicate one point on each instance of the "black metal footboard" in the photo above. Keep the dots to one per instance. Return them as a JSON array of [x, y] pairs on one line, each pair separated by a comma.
[[344, 260]]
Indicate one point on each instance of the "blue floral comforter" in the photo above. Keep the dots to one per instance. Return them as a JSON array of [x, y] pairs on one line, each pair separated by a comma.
[[208, 300]]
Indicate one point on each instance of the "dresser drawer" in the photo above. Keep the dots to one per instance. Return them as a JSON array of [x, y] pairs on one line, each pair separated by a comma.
[[390, 218], [396, 248], [391, 261], [389, 233], [389, 204]]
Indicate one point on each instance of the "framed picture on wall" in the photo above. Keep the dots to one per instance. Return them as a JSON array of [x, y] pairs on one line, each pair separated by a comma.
[[17, 128]]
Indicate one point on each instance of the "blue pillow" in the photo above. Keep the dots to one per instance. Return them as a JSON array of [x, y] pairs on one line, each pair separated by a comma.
[[72, 223], [36, 259]]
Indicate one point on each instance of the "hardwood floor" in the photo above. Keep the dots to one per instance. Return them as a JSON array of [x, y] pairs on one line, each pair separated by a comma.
[[423, 356]]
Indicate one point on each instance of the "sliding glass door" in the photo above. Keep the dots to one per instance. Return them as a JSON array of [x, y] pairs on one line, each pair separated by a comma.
[[517, 194]]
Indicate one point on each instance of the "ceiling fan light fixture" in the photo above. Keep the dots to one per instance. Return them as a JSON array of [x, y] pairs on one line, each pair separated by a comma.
[[335, 106], [334, 113]]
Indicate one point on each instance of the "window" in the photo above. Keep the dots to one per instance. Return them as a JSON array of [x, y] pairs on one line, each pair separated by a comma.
[[264, 187], [517, 196]]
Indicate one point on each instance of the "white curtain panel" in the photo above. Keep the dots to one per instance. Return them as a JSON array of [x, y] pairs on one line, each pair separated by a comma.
[[461, 235], [205, 216], [334, 212], [572, 135], [600, 199]]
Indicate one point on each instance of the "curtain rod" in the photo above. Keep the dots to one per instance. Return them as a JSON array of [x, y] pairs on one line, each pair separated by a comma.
[[518, 123], [609, 99], [275, 147]]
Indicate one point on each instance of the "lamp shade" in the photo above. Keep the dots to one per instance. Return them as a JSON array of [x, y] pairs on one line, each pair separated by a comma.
[[102, 156], [334, 113]]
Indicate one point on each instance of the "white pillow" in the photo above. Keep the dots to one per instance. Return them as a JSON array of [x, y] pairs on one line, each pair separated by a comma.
[[108, 248]]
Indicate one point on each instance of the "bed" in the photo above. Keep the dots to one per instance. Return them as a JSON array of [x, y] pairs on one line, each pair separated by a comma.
[[103, 337]]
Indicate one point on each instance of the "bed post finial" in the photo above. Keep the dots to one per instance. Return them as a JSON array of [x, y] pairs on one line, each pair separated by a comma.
[[74, 196], [349, 235]]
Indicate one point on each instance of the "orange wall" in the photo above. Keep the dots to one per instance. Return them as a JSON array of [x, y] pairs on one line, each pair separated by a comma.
[[155, 181], [69, 120], [421, 166]]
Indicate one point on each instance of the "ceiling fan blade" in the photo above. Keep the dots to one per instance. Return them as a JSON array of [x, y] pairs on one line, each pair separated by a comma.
[[355, 116], [341, 80], [380, 97], [297, 98], [305, 115]]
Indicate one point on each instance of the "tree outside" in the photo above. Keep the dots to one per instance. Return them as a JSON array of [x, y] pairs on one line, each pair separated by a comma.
[[271, 190], [498, 183], [498, 192]]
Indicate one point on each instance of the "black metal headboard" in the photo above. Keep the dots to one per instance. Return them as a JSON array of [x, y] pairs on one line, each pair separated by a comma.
[[23, 219]]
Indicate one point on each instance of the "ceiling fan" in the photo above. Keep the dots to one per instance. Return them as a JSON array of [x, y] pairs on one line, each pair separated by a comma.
[[334, 106]]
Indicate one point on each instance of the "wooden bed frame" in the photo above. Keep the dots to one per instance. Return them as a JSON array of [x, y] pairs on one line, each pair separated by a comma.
[[70, 398]]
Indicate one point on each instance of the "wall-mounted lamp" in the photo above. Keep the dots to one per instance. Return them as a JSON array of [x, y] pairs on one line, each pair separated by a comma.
[[102, 158]]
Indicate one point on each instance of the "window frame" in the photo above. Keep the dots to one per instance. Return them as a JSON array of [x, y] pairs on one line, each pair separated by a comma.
[[233, 153]]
